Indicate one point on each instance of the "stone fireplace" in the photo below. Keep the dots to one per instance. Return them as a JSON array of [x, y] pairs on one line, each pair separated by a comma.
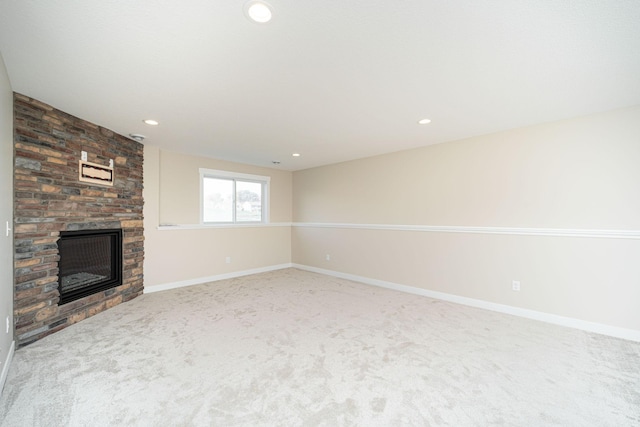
[[55, 211]]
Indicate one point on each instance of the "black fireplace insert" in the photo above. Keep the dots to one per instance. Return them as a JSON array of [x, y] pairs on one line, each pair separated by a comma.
[[90, 262]]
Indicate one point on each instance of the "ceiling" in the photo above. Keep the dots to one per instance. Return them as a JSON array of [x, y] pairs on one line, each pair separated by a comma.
[[332, 80]]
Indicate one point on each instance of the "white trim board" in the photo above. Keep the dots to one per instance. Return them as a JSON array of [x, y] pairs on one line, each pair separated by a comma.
[[520, 231], [164, 227], [5, 366], [200, 280], [628, 334]]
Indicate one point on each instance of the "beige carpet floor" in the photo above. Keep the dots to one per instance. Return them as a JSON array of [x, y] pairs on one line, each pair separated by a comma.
[[293, 348]]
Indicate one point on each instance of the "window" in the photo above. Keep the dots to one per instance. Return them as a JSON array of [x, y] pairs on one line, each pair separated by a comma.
[[228, 197]]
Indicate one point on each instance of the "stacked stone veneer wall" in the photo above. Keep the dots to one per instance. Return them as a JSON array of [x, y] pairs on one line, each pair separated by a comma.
[[49, 198]]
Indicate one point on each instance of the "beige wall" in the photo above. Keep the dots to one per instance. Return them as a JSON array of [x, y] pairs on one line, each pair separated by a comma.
[[6, 214], [180, 187], [171, 194], [580, 173], [572, 174]]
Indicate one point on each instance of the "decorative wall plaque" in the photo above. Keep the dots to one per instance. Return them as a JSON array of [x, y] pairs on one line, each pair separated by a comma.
[[95, 174]]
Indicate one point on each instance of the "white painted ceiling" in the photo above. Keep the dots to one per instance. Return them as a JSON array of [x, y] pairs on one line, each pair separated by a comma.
[[333, 80]]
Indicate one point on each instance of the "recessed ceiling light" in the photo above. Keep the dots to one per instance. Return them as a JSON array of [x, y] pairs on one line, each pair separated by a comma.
[[137, 137], [151, 122], [424, 122], [296, 154], [258, 11]]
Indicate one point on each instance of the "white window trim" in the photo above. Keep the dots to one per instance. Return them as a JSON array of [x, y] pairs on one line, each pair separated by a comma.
[[213, 173]]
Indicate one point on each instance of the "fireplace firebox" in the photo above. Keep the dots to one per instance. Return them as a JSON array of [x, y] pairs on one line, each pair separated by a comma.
[[90, 262]]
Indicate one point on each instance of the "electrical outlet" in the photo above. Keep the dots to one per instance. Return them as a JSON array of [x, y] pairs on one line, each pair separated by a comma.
[[228, 260], [515, 285], [327, 257]]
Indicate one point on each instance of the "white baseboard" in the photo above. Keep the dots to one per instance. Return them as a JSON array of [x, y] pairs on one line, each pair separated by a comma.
[[627, 334], [5, 366], [200, 280]]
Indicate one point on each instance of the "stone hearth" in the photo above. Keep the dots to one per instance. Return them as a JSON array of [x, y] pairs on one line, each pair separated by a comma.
[[50, 198]]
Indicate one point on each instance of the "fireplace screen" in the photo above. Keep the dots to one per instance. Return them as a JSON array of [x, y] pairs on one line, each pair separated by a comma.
[[90, 262]]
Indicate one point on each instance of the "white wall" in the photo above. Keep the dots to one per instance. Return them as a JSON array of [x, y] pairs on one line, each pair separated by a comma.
[[573, 174], [191, 254], [6, 214]]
